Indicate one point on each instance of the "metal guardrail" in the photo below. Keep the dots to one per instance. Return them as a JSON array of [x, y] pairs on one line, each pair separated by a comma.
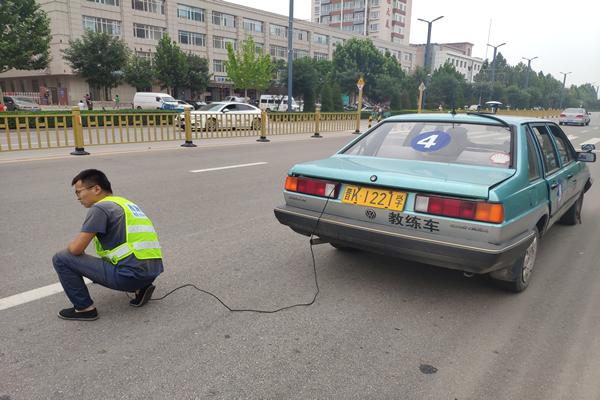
[[28, 131]]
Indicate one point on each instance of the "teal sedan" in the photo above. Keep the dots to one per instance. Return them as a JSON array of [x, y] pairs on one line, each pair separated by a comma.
[[470, 192]]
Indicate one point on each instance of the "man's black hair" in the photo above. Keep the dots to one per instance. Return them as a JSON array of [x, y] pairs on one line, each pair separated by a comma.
[[93, 177]]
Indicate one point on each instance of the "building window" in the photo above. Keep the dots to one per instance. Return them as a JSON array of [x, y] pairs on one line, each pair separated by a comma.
[[147, 55], [221, 42], [317, 9], [397, 40], [102, 25], [252, 25], [300, 35], [300, 54], [374, 27], [325, 20], [321, 39], [399, 17], [148, 32], [398, 29], [382, 50], [394, 53], [193, 13], [108, 2], [374, 14], [335, 18], [374, 3], [278, 51], [407, 57], [222, 19], [348, 28], [358, 16], [153, 6], [348, 17], [316, 21], [259, 48], [218, 66], [359, 28], [348, 5], [195, 39], [278, 30], [399, 5], [320, 56]]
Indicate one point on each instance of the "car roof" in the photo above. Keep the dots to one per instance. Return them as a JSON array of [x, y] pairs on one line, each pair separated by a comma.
[[471, 117]]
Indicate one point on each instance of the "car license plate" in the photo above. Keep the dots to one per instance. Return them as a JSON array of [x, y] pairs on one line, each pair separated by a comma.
[[378, 198], [570, 120]]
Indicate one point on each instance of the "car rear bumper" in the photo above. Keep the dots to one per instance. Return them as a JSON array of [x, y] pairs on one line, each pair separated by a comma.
[[443, 251]]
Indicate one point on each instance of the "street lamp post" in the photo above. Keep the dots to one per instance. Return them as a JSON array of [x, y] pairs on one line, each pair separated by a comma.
[[563, 89], [427, 49], [528, 69], [290, 56], [493, 68]]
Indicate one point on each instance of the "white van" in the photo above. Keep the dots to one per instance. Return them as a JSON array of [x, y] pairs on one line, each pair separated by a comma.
[[237, 99], [277, 103], [152, 101]]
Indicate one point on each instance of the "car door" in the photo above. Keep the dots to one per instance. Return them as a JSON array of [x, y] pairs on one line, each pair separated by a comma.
[[568, 160], [555, 177]]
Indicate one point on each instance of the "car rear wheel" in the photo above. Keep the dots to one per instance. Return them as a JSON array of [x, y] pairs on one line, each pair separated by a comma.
[[211, 125], [256, 124], [523, 268], [573, 214]]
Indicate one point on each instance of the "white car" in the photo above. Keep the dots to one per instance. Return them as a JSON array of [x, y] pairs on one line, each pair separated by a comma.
[[578, 116], [220, 115]]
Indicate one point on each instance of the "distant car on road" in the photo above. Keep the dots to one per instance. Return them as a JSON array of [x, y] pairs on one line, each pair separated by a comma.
[[469, 192], [20, 103], [578, 116], [196, 103], [224, 114]]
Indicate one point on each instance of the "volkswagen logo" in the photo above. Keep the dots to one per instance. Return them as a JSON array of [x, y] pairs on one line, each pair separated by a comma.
[[370, 214], [373, 178]]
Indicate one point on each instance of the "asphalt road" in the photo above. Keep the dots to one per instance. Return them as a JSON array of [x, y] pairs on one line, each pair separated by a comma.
[[380, 328]]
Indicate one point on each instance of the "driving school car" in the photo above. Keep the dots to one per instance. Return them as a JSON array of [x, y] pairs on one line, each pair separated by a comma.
[[469, 192]]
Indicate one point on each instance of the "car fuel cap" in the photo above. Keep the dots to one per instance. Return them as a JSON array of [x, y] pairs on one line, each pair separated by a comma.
[[373, 178]]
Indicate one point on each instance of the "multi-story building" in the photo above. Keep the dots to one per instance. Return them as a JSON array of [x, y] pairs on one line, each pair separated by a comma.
[[203, 27], [388, 20], [457, 54]]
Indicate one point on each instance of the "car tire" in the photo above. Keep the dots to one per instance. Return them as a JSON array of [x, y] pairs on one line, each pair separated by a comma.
[[523, 268], [139, 107], [572, 216], [256, 124], [211, 125]]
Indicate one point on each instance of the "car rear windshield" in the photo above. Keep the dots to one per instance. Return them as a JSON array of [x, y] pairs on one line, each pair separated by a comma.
[[445, 142], [211, 107], [24, 99], [574, 110]]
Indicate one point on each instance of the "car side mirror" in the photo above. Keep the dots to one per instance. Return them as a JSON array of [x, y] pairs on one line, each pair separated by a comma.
[[586, 157], [226, 110], [588, 147]]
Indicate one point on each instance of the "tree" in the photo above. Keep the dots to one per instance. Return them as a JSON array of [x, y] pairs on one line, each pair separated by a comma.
[[309, 101], [304, 76], [362, 56], [138, 73], [385, 88], [247, 67], [405, 101], [396, 101], [170, 64], [99, 58], [24, 36], [336, 96], [198, 77], [326, 99]]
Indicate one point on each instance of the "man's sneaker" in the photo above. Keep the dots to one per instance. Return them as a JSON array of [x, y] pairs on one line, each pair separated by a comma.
[[143, 296], [71, 314]]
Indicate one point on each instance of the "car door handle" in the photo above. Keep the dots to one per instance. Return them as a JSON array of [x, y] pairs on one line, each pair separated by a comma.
[[554, 186], [569, 176]]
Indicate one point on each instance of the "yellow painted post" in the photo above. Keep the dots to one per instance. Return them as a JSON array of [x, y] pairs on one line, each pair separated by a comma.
[[188, 128], [370, 120], [317, 124], [77, 132], [421, 89], [360, 84], [264, 119]]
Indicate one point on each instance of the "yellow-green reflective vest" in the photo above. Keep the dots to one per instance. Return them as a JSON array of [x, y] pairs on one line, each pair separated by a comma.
[[142, 241]]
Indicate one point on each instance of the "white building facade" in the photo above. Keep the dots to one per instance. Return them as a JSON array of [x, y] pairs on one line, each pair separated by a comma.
[[457, 54], [203, 27]]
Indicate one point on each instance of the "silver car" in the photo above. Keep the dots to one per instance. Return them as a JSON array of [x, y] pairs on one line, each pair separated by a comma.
[[578, 116], [20, 103], [218, 115]]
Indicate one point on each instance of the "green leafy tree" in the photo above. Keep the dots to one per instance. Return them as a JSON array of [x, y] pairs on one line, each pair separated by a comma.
[[360, 55], [385, 87], [99, 58], [405, 105], [138, 73], [336, 96], [24, 36], [170, 64], [326, 99], [248, 68], [304, 76], [309, 101], [198, 77], [396, 101]]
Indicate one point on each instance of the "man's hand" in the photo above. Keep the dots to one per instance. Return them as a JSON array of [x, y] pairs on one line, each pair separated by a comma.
[[79, 245]]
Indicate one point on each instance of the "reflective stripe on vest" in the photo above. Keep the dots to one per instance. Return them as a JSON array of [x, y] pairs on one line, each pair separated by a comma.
[[141, 238]]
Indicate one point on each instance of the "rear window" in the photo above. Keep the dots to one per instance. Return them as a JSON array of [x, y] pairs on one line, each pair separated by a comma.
[[574, 110], [469, 144]]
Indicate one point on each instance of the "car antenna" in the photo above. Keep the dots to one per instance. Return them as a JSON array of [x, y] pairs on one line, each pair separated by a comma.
[[452, 103]]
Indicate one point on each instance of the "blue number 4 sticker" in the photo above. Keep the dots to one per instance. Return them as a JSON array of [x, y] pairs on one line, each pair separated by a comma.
[[430, 141]]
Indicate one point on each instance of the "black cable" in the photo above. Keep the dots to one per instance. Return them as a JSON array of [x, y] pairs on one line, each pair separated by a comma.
[[267, 311]]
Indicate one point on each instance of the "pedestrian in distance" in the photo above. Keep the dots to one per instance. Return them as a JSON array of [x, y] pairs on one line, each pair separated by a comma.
[[130, 256], [117, 104], [440, 108], [81, 105], [88, 100]]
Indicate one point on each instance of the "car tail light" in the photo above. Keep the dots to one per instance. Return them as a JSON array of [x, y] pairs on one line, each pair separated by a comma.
[[563, 115], [579, 116], [312, 186], [465, 209]]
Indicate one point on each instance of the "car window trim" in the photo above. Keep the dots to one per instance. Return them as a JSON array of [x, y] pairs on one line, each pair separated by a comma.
[[531, 141], [567, 143], [547, 173]]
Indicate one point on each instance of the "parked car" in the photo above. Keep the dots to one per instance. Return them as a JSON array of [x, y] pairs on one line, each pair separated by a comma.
[[224, 114], [468, 192], [20, 103], [152, 101], [578, 116], [196, 103]]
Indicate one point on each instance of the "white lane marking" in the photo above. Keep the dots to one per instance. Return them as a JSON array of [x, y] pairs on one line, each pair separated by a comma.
[[32, 295], [591, 141], [231, 166], [572, 137], [583, 131], [596, 128]]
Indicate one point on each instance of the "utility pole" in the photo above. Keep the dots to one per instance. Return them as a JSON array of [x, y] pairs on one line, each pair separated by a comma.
[[290, 56], [493, 68], [528, 69], [563, 89], [427, 50]]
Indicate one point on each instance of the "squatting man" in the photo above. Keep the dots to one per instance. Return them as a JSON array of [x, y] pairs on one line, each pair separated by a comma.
[[130, 255]]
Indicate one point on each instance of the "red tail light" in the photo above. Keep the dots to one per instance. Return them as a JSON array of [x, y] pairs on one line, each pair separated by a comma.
[[475, 210], [312, 186], [580, 116], [562, 115]]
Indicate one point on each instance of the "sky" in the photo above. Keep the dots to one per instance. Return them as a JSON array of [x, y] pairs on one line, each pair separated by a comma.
[[564, 35]]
